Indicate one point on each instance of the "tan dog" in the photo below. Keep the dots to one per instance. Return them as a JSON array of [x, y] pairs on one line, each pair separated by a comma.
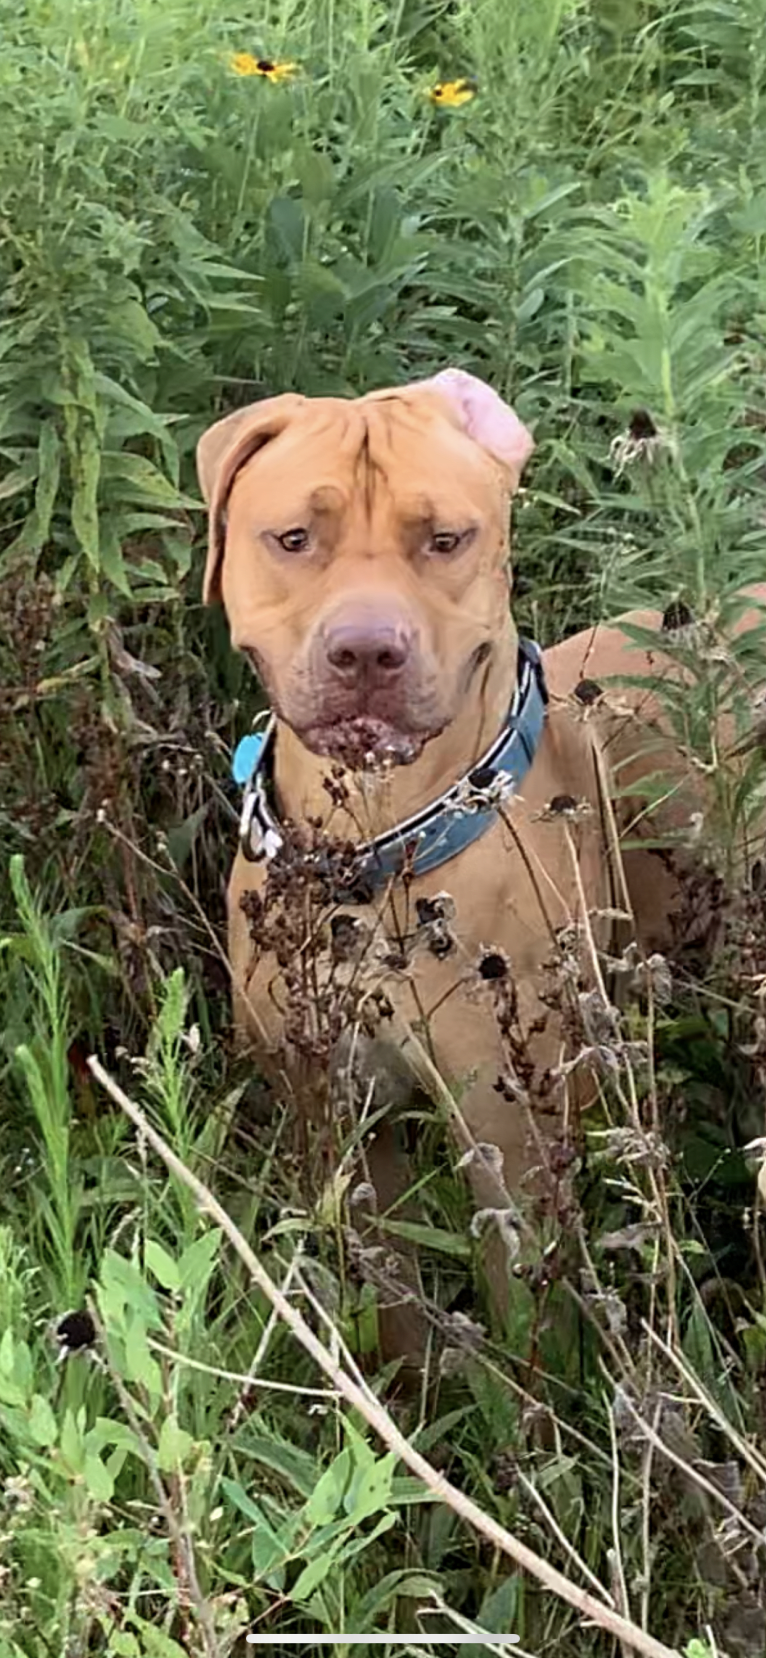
[[361, 552]]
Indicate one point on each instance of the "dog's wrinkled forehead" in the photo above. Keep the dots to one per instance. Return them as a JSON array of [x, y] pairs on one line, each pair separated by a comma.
[[453, 422], [395, 448]]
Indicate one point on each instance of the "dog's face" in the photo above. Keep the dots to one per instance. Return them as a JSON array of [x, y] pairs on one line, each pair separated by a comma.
[[364, 559]]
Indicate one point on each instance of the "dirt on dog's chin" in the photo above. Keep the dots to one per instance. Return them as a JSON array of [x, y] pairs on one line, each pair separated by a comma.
[[364, 743]]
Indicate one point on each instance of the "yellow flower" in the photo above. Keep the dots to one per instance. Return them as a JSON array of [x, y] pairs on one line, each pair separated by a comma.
[[243, 63], [451, 94]]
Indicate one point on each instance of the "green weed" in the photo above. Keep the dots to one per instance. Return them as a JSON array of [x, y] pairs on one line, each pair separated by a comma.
[[588, 233]]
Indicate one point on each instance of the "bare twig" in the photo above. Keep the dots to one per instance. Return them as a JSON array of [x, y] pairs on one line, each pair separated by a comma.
[[647, 1468], [361, 1397], [569, 1548], [260, 1352], [618, 1570], [249, 1380], [693, 1474], [747, 1451]]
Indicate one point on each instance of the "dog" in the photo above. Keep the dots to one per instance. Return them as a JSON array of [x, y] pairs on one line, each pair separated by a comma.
[[360, 548]]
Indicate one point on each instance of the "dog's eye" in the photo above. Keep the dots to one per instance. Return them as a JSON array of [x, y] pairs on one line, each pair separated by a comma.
[[445, 541], [294, 541]]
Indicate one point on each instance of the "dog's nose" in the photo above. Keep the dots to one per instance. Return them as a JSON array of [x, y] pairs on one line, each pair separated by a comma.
[[372, 651]]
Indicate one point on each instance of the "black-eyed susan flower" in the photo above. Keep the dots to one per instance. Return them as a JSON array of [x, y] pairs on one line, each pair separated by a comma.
[[243, 63], [451, 94]]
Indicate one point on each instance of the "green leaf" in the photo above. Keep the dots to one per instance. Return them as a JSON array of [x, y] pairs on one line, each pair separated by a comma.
[[354, 1544], [71, 1444], [405, 1584], [123, 1645], [38, 525], [162, 1265], [269, 1547], [313, 1574], [124, 1288], [172, 1015], [370, 1489], [134, 478], [129, 320], [181, 839], [107, 1432], [155, 1643], [316, 176], [13, 1390], [499, 1611], [18, 479], [112, 562], [85, 467], [22, 1366], [429, 1237], [294, 1465], [321, 291], [268, 1554], [174, 1445], [11, 1393], [144, 418], [139, 1365], [530, 305], [241, 1499], [97, 1478], [287, 219], [42, 1422], [327, 1496], [198, 1260]]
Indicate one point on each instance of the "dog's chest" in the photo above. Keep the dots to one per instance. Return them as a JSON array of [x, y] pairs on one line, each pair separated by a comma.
[[435, 950]]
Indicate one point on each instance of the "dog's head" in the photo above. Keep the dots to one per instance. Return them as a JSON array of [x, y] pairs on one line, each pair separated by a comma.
[[361, 550]]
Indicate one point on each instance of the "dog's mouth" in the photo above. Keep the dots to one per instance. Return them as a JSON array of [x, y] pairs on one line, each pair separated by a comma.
[[363, 742], [359, 741]]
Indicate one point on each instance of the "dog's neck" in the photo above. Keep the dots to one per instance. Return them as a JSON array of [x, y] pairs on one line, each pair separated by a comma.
[[380, 800]]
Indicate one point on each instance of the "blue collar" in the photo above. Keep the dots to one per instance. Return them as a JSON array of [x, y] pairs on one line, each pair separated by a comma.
[[440, 831]]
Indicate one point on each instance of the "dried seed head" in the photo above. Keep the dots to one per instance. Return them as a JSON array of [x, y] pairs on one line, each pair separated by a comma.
[[433, 929], [677, 617], [654, 974], [349, 936], [505, 1221], [464, 1338], [588, 691], [641, 426], [601, 1020], [642, 441], [441, 907], [75, 1332], [484, 1154], [564, 806], [633, 1146], [511, 1089], [483, 777], [485, 789], [365, 1194]]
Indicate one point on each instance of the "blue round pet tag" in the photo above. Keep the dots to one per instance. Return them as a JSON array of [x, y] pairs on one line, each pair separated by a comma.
[[246, 756]]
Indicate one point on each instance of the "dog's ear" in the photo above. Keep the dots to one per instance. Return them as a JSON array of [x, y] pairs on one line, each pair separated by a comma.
[[221, 453], [485, 417]]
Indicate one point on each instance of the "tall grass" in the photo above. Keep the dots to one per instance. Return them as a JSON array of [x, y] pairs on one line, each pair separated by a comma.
[[588, 233]]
